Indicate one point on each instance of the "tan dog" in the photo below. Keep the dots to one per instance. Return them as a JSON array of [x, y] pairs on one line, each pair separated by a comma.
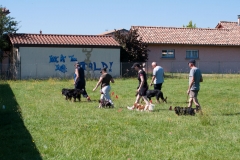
[[141, 107]]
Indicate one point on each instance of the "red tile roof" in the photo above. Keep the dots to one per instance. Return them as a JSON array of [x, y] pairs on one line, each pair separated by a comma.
[[52, 39], [227, 25], [189, 36], [112, 31]]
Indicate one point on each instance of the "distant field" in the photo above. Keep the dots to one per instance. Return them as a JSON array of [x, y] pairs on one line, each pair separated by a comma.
[[38, 123]]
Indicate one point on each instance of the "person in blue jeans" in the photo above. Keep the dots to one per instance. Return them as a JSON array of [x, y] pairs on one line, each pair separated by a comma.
[[79, 80], [195, 77]]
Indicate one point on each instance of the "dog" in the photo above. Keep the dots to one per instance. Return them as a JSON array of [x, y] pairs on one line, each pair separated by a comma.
[[72, 93], [67, 93], [141, 107], [105, 104], [184, 111], [156, 93]]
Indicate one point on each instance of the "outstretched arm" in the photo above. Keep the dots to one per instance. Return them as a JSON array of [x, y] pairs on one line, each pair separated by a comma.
[[99, 82]]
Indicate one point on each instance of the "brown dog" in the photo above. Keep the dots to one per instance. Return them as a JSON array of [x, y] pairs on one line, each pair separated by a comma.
[[141, 107]]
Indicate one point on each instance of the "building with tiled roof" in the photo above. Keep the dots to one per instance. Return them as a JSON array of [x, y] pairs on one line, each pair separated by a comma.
[[216, 50], [112, 32], [52, 55], [62, 40]]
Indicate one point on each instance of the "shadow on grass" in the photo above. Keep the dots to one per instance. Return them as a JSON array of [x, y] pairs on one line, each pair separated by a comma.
[[15, 140], [231, 114]]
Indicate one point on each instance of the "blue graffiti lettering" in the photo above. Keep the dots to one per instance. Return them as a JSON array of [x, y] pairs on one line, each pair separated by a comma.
[[104, 65], [62, 58], [72, 58], [110, 68], [82, 64], [61, 68], [95, 67], [90, 66], [53, 59]]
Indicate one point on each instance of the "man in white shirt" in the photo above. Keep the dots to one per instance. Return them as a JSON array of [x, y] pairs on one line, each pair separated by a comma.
[[158, 76]]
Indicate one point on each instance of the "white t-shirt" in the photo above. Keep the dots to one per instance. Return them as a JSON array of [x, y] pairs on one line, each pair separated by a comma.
[[158, 73]]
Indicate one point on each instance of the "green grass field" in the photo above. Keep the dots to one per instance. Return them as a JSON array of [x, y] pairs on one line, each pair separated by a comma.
[[38, 123]]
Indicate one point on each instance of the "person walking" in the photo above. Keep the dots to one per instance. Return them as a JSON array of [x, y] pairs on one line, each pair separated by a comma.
[[158, 76], [79, 80], [195, 77], [142, 85], [105, 80]]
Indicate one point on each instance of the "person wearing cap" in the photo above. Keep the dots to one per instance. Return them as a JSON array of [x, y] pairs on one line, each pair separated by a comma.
[[142, 85], [158, 76], [105, 80], [195, 77], [79, 80]]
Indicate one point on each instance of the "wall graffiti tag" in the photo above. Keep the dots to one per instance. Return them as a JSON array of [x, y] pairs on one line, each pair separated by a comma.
[[61, 68], [87, 65], [62, 58], [53, 59], [72, 58]]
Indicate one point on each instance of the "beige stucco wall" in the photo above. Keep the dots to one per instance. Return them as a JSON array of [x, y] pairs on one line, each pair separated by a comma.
[[45, 62], [212, 59]]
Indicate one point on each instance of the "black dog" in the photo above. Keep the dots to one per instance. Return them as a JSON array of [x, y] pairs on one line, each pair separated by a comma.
[[67, 93], [72, 93], [156, 93], [184, 111]]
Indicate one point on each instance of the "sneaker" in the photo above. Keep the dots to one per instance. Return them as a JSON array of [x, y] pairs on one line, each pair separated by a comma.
[[130, 108], [198, 109], [88, 99], [112, 105]]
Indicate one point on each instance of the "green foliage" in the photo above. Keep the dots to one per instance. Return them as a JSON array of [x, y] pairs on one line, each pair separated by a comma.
[[7, 25], [38, 123], [190, 25], [133, 49]]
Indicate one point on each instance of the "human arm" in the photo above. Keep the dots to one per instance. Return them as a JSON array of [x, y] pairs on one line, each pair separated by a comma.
[[190, 85], [77, 76], [98, 83], [141, 84], [153, 78], [112, 80], [201, 79]]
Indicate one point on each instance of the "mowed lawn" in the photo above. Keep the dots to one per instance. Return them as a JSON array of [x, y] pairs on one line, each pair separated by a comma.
[[36, 122]]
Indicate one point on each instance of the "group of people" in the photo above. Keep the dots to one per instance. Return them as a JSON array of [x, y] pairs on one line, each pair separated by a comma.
[[104, 81], [195, 77]]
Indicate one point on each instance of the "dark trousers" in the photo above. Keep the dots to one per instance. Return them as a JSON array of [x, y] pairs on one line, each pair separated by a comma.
[[81, 85], [158, 86]]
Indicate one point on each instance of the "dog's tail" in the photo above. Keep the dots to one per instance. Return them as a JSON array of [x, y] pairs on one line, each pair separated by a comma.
[[164, 100]]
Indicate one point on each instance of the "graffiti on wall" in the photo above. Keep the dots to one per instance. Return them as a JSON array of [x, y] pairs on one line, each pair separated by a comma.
[[87, 65]]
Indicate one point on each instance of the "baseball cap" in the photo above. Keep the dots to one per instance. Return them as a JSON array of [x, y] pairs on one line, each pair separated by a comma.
[[136, 65], [103, 69], [192, 61]]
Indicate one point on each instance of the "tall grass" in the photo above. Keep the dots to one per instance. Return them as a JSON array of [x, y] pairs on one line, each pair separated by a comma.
[[38, 123]]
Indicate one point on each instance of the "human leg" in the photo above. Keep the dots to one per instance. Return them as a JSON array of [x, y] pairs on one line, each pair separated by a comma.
[[84, 93], [193, 98], [106, 94], [158, 86]]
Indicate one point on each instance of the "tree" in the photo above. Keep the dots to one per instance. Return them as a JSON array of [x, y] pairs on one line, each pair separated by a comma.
[[7, 25], [190, 25], [132, 47]]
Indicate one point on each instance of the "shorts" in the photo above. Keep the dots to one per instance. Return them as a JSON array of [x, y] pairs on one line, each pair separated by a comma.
[[143, 91], [158, 86], [193, 93]]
